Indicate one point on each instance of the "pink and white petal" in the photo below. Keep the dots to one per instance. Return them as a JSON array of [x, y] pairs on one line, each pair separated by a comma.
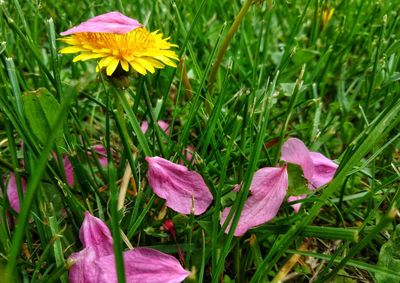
[[324, 170], [69, 172], [113, 22], [182, 189], [101, 154], [12, 192], [83, 269], [294, 151], [143, 265], [296, 207], [264, 205], [95, 234]]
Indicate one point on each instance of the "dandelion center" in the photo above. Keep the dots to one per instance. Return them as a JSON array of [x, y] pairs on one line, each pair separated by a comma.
[[140, 49]]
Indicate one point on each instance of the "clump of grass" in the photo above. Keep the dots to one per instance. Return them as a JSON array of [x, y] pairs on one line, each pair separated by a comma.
[[287, 71]]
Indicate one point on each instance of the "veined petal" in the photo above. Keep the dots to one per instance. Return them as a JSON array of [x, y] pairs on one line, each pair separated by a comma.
[[270, 185], [182, 189], [83, 269], [143, 265], [94, 233], [12, 192], [294, 151], [146, 64], [113, 22], [324, 170]]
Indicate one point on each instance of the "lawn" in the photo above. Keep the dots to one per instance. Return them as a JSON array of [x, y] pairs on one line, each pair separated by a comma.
[[200, 141]]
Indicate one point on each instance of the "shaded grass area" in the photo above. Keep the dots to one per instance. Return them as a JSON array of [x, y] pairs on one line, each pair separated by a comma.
[[288, 71]]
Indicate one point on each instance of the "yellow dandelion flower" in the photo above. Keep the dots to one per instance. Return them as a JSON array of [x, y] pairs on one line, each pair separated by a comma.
[[137, 48]]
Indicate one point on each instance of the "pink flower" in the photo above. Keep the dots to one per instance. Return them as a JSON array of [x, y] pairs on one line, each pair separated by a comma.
[[12, 192], [296, 207], [269, 185], [96, 263], [113, 22], [183, 190], [162, 124]]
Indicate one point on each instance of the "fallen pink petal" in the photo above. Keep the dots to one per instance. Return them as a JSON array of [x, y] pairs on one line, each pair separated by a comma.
[[112, 22], [101, 152], [143, 265], [69, 172], [296, 207], [162, 124], [268, 189], [94, 233], [12, 192], [317, 169], [184, 191], [95, 262]]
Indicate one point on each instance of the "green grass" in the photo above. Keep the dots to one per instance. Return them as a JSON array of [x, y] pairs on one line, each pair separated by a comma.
[[284, 73]]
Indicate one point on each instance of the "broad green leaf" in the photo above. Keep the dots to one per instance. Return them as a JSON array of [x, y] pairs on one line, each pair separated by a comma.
[[41, 109], [389, 257]]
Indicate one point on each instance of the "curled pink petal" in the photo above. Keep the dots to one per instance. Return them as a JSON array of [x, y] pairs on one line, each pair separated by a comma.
[[12, 192], [182, 189], [294, 151], [143, 265], [113, 22], [69, 172], [269, 186], [101, 154], [324, 170], [94, 233], [83, 269], [296, 206], [317, 169]]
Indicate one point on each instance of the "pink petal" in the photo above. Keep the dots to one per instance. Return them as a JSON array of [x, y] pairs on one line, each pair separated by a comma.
[[269, 187], [324, 170], [95, 234], [317, 169], [12, 192], [143, 265], [113, 22], [296, 206], [162, 124], [144, 126], [83, 269], [180, 187], [101, 154], [294, 151], [69, 172], [188, 153]]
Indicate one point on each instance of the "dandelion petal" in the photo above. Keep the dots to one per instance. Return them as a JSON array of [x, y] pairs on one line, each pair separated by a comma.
[[113, 22], [269, 187], [143, 265], [180, 187]]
